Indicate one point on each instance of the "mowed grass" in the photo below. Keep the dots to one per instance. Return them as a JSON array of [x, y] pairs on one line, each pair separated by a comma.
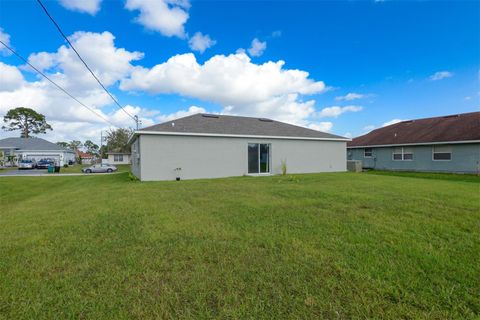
[[77, 168], [333, 246]]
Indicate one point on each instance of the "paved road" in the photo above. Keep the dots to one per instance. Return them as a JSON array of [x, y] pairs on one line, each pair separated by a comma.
[[16, 172], [42, 173]]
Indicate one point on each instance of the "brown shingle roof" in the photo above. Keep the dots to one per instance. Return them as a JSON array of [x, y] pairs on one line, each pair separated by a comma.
[[459, 127]]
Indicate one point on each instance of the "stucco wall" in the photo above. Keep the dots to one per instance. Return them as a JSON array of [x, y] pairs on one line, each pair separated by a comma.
[[215, 157], [111, 159], [465, 158], [135, 151]]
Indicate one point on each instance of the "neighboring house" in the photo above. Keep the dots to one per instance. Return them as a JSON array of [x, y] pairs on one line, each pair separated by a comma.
[[118, 158], [35, 148], [86, 158], [441, 144], [214, 146]]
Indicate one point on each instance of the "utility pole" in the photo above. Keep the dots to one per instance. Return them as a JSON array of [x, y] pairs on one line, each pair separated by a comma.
[[101, 145], [137, 121]]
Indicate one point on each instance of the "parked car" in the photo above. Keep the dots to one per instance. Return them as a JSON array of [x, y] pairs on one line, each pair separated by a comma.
[[100, 168], [27, 164], [45, 163]]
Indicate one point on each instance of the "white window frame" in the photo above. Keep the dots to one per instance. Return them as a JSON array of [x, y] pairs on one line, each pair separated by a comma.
[[116, 158], [365, 152], [402, 154], [433, 154]]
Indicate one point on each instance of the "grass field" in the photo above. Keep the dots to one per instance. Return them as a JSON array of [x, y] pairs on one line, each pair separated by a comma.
[[78, 168], [333, 246]]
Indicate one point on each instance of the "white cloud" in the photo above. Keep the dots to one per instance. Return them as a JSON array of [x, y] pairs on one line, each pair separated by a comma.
[[467, 98], [352, 96], [65, 67], [257, 48], [68, 118], [167, 17], [5, 38], [368, 128], [10, 77], [348, 135], [200, 42], [277, 33], [441, 75], [233, 81], [180, 114], [321, 126], [335, 111], [393, 121], [86, 6]]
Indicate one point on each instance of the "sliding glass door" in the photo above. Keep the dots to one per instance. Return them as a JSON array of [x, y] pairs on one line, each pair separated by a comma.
[[258, 158]]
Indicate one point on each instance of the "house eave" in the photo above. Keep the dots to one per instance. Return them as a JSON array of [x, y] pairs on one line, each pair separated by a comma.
[[413, 144], [164, 133]]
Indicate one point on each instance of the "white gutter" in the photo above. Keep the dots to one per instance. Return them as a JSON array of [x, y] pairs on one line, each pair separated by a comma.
[[233, 136], [413, 144]]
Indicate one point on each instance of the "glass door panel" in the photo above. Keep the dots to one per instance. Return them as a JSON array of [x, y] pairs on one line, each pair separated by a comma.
[[253, 158], [264, 158]]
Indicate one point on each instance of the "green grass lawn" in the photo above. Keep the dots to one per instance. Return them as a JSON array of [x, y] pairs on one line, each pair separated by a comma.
[[332, 246], [78, 168]]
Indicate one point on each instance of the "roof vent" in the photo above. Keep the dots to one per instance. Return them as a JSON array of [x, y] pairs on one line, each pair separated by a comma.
[[452, 116], [265, 120], [173, 124], [206, 115]]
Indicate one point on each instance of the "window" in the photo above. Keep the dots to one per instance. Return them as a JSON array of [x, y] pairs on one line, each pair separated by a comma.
[[258, 158], [367, 152], [118, 157], [402, 154], [442, 153]]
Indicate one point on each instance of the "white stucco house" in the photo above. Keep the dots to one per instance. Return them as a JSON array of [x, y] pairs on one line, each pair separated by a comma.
[[117, 158], [35, 148], [214, 146]]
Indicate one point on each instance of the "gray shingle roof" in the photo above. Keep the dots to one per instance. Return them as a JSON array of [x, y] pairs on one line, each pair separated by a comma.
[[234, 125], [30, 144]]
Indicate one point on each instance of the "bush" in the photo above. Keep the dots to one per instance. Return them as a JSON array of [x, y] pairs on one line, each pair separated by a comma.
[[65, 165], [132, 177]]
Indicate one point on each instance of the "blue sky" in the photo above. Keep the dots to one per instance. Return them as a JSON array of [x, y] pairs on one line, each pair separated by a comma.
[[397, 60]]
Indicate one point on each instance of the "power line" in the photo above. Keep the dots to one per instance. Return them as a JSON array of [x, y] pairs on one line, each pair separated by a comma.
[[55, 84], [135, 118]]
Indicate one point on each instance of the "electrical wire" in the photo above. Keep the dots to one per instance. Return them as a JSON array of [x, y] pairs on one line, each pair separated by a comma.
[[86, 65], [55, 84]]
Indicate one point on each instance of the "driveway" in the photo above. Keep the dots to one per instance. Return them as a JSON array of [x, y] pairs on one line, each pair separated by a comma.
[[43, 173], [16, 172]]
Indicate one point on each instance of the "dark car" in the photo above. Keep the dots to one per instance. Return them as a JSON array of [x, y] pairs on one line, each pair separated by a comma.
[[45, 163]]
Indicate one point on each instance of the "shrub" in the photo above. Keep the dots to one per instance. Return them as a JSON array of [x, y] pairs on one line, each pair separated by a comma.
[[65, 165]]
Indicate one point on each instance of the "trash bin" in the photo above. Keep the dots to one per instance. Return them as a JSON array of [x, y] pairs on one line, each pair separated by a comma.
[[57, 169], [51, 169]]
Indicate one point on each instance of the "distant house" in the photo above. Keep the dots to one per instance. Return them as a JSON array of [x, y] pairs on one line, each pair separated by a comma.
[[118, 158], [85, 157], [442, 144], [214, 146], [17, 149]]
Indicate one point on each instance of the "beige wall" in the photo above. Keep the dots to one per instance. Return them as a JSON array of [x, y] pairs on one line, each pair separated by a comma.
[[215, 157], [111, 159]]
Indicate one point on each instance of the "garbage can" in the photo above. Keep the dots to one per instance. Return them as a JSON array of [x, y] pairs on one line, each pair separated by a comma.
[[57, 169], [51, 169]]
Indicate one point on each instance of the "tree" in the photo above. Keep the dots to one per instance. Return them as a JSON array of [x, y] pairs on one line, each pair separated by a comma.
[[63, 144], [117, 140], [75, 145], [91, 147], [27, 120]]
